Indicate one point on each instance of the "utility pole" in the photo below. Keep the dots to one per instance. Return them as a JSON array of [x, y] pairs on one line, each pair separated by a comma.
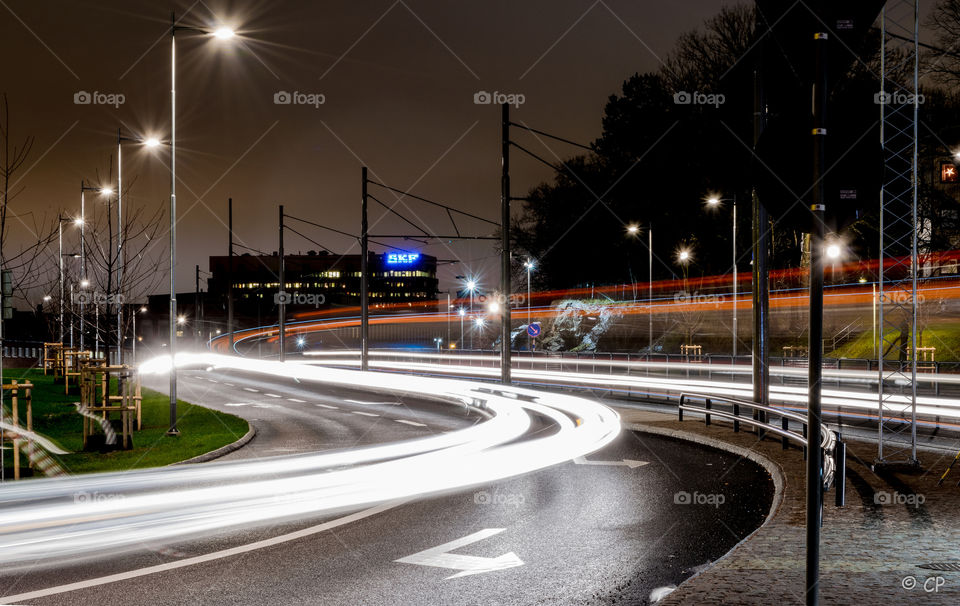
[[282, 301], [196, 306], [364, 277], [761, 288], [230, 272], [505, 288], [815, 367]]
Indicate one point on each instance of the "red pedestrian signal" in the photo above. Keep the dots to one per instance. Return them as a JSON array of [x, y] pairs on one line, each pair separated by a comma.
[[948, 173]]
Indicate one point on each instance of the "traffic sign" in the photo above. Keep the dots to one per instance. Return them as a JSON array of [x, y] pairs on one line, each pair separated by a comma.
[[533, 329]]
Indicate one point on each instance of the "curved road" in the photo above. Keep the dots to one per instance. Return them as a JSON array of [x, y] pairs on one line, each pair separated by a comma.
[[577, 533]]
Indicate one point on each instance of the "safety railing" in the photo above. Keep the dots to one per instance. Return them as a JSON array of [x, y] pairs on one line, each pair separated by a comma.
[[834, 449]]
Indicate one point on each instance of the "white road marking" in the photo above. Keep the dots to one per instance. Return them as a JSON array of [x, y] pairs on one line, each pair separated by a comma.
[[208, 557], [238, 403], [365, 403], [366, 414], [439, 557], [296, 400], [328, 406], [230, 384], [632, 464], [406, 422], [264, 406], [251, 389], [273, 395], [213, 380]]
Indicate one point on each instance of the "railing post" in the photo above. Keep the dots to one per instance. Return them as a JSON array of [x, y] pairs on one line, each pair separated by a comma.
[[804, 437], [680, 409], [840, 474], [785, 425], [706, 417], [736, 422]]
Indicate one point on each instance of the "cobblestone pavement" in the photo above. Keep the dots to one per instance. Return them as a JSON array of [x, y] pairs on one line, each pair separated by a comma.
[[872, 549]]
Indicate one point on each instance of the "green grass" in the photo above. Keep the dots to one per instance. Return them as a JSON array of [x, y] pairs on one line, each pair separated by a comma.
[[55, 416], [945, 336]]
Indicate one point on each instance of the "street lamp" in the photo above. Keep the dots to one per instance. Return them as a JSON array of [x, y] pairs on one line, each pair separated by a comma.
[[150, 142], [438, 341], [133, 353], [221, 33], [461, 312], [60, 222], [530, 265], [81, 221], [715, 202], [471, 286]]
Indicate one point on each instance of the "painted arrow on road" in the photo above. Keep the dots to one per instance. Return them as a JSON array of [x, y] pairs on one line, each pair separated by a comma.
[[632, 464], [440, 557]]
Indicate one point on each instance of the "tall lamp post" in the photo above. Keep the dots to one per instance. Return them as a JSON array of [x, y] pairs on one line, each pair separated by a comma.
[[715, 202], [60, 222], [633, 230], [471, 288], [222, 33], [150, 142], [84, 188], [529, 265]]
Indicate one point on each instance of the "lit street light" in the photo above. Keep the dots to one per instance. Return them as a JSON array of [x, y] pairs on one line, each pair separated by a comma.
[[221, 33], [715, 202], [530, 265]]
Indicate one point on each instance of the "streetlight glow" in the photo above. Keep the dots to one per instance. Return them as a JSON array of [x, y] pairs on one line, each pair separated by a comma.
[[47, 297], [462, 312], [833, 251], [493, 307], [152, 142], [633, 229], [713, 201], [480, 322], [106, 191], [181, 319], [684, 255], [224, 33], [471, 285], [84, 283]]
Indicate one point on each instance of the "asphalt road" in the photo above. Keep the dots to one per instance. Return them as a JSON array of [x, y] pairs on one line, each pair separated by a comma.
[[571, 534]]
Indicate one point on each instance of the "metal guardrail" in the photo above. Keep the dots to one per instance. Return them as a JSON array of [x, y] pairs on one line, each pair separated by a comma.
[[834, 458]]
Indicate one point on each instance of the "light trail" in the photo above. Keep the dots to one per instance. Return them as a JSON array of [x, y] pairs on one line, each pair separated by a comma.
[[54, 519]]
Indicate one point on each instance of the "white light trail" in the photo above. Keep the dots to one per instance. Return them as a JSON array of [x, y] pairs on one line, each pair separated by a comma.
[[50, 520]]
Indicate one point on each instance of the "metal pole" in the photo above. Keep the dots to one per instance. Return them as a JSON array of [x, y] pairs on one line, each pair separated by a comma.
[[230, 272], [364, 277], [650, 290], [196, 306], [283, 295], [735, 333], [83, 259], [505, 287], [173, 431], [448, 319], [814, 452], [133, 343], [119, 301], [529, 338], [60, 238], [761, 291], [71, 315]]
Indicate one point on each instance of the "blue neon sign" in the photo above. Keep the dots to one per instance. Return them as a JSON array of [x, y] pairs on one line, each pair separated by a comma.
[[402, 258]]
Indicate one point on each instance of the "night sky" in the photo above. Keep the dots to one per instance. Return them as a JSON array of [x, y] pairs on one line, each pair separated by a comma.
[[398, 80]]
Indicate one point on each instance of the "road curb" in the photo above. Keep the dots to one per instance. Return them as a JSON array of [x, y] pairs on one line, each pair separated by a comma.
[[772, 467], [223, 450]]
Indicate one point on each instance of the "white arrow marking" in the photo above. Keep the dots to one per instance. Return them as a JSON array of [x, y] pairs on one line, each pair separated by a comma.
[[622, 462], [440, 558]]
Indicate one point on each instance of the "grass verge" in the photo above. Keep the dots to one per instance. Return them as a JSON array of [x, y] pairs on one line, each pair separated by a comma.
[[55, 416]]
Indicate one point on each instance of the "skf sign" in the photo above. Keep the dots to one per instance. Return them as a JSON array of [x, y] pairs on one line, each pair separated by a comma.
[[402, 258], [948, 173]]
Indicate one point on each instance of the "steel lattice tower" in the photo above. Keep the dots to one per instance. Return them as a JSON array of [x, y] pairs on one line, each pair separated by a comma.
[[899, 230]]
